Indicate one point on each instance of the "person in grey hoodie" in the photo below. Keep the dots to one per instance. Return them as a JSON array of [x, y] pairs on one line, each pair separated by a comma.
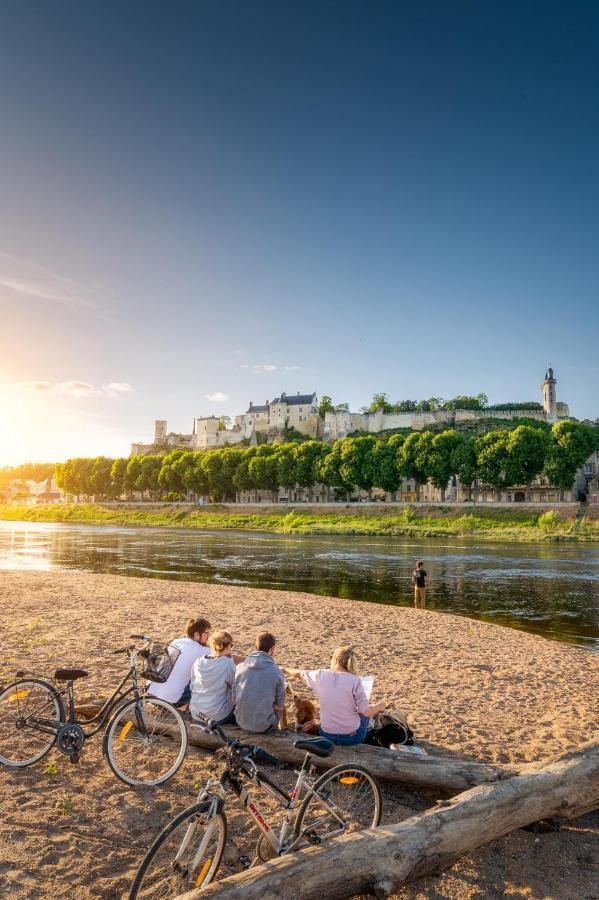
[[259, 688]]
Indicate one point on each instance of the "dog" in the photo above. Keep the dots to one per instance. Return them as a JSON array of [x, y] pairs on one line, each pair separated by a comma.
[[305, 713]]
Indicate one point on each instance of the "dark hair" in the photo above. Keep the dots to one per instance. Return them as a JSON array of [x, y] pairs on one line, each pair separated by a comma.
[[265, 641], [419, 563], [196, 625]]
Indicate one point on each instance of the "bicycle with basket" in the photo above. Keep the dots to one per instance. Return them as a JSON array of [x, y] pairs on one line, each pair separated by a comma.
[[145, 739]]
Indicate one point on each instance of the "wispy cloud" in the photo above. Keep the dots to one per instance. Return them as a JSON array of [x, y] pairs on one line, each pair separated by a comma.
[[75, 388], [31, 280], [114, 388], [267, 368], [217, 397]]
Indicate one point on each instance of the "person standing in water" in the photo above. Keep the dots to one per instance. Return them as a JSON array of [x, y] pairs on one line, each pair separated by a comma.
[[420, 582]]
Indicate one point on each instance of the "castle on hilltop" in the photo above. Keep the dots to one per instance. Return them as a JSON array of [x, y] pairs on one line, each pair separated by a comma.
[[300, 412]]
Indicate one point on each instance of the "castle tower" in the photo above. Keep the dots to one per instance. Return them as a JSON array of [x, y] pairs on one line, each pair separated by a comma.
[[550, 396], [160, 431]]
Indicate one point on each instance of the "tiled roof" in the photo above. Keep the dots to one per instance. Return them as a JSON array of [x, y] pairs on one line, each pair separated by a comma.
[[253, 409], [295, 399]]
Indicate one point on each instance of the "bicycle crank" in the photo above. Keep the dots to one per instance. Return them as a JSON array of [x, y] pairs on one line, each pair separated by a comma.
[[69, 740]]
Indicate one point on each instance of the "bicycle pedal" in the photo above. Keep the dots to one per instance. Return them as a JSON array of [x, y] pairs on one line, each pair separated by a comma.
[[312, 837], [245, 861], [74, 758]]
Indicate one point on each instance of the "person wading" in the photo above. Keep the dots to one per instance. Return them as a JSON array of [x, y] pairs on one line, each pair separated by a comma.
[[420, 582]]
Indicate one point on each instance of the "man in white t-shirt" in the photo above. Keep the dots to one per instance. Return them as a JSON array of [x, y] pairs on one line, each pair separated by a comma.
[[176, 689]]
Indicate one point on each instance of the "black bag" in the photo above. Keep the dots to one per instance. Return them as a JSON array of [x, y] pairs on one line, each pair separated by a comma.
[[389, 728]]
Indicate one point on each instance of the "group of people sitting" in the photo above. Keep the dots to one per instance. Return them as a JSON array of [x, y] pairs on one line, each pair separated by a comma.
[[213, 682]]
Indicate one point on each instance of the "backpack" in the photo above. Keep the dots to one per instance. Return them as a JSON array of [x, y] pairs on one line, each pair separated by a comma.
[[390, 728]]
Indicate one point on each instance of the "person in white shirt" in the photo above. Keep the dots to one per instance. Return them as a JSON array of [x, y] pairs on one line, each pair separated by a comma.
[[176, 689], [213, 682]]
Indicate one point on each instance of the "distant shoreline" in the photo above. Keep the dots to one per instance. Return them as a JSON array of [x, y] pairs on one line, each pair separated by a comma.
[[501, 524]]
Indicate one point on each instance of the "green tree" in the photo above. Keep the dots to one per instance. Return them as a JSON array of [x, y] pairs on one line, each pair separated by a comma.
[[242, 480], [174, 465], [329, 470], [263, 470], [414, 458], [380, 401], [215, 474], [224, 422], [287, 466], [493, 458], [188, 471], [357, 462], [307, 459], [74, 477], [148, 479], [463, 463], [100, 476], [117, 476], [132, 474], [440, 468], [570, 444], [325, 406], [386, 472], [527, 449], [405, 406]]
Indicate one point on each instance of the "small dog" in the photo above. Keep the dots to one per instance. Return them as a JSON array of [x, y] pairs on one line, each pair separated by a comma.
[[305, 714]]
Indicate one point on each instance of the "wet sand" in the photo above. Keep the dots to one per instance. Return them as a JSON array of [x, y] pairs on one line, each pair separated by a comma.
[[475, 689]]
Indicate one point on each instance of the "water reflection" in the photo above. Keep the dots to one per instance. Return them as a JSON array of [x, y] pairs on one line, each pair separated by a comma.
[[549, 589]]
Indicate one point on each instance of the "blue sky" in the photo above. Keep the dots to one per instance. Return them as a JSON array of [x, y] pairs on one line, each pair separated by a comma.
[[205, 200]]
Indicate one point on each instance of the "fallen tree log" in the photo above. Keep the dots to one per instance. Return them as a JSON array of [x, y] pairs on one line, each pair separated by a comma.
[[383, 860], [430, 772]]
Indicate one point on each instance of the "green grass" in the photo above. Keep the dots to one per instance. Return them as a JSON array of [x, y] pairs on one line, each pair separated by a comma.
[[442, 521]]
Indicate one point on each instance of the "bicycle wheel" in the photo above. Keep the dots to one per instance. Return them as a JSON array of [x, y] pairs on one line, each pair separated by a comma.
[[184, 856], [345, 799], [27, 706], [145, 741]]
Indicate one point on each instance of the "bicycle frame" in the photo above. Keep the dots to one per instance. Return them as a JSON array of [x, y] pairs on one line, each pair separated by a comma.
[[51, 726], [215, 790]]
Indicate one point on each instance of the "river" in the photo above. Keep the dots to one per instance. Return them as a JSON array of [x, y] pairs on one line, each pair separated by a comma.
[[549, 589]]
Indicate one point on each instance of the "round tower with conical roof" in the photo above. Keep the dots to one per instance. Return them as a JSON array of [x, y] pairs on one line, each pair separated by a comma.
[[550, 396]]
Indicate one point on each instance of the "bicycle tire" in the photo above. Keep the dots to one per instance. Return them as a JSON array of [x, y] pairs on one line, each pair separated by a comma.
[[146, 759], [329, 783], [184, 881], [54, 710]]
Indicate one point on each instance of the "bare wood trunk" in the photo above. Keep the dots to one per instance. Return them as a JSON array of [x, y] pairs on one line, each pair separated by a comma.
[[383, 860], [435, 772]]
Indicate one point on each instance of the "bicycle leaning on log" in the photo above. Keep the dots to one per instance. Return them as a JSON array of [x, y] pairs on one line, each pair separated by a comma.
[[188, 852], [145, 739]]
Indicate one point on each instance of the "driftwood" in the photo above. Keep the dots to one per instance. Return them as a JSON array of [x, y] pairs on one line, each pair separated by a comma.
[[430, 772], [384, 859]]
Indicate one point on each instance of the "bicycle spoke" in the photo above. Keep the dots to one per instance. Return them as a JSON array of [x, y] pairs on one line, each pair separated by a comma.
[[185, 856], [28, 712], [146, 742]]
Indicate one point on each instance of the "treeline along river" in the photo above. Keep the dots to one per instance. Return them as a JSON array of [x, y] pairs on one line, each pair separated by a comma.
[[549, 589]]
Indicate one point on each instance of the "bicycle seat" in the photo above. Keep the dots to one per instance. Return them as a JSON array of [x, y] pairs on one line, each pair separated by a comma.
[[317, 746], [70, 674]]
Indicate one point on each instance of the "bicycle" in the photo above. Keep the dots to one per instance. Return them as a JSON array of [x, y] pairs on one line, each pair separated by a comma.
[[187, 853], [145, 739]]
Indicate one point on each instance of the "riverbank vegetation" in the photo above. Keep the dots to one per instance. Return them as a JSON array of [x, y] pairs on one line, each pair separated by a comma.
[[438, 521], [498, 458]]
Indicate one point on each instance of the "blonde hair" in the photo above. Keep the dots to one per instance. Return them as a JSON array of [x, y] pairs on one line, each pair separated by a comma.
[[220, 640], [344, 658]]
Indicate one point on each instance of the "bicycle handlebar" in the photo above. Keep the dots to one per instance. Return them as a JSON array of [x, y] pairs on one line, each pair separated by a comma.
[[250, 751]]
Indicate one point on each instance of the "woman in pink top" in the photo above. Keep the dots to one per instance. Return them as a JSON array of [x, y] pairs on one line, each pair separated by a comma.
[[344, 706]]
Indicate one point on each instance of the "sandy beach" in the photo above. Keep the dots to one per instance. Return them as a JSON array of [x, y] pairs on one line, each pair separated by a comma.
[[474, 689]]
